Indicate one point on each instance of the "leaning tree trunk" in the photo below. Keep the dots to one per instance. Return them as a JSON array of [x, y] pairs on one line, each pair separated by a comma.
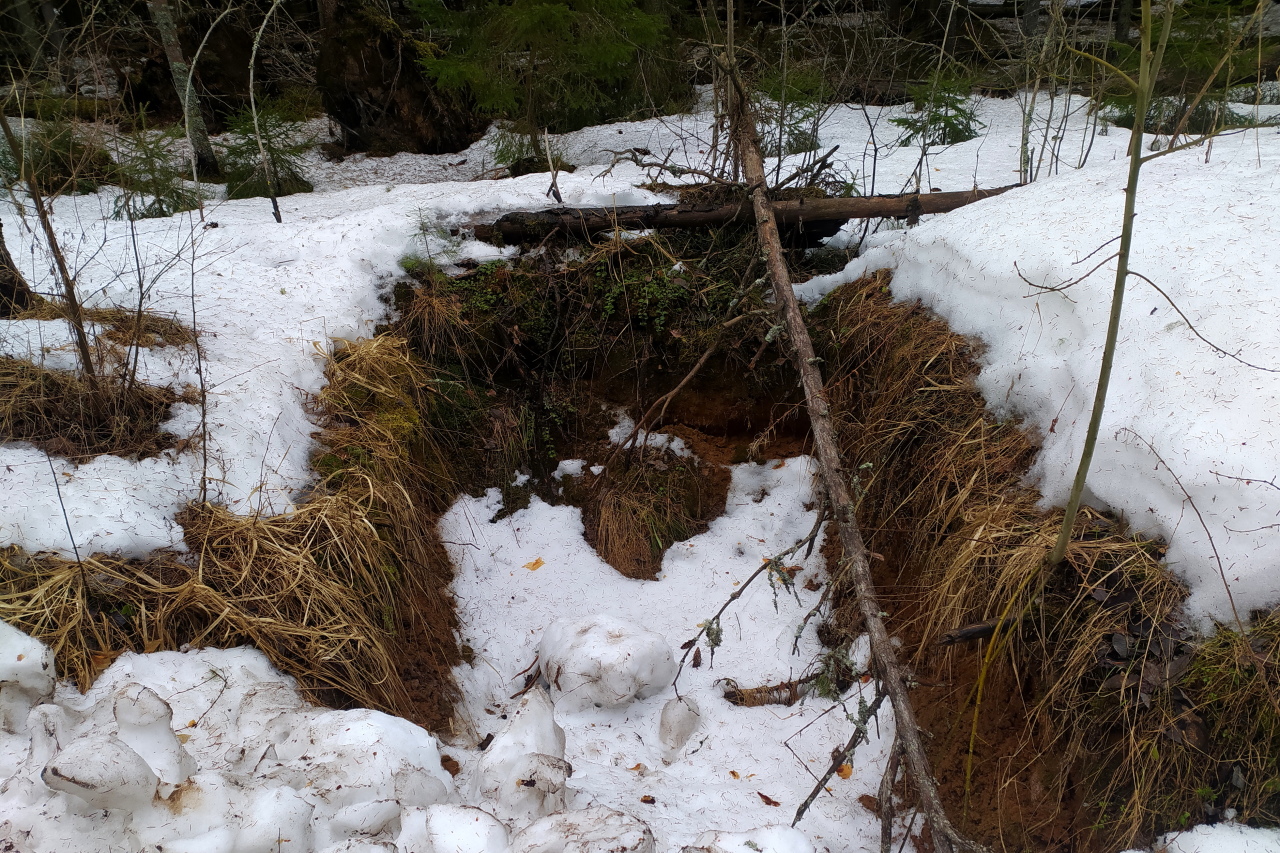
[[15, 294], [198, 135], [835, 482]]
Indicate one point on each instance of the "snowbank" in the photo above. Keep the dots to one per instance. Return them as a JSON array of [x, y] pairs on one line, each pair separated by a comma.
[[204, 751], [528, 587], [1189, 447], [268, 299]]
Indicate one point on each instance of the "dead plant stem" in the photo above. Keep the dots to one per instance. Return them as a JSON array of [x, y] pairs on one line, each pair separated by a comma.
[[74, 310], [855, 561]]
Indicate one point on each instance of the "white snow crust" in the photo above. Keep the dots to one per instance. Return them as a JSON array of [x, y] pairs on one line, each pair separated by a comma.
[[215, 751], [1189, 448]]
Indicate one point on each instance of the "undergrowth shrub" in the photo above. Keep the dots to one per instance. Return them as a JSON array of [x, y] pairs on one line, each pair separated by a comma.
[[945, 113], [153, 183], [1165, 113], [58, 412], [282, 173], [63, 157]]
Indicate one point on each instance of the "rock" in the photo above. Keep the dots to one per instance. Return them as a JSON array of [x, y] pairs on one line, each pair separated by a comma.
[[603, 661], [594, 830]]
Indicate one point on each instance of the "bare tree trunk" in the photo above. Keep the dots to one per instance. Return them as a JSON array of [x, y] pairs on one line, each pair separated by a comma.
[[15, 294], [75, 312], [1124, 21], [32, 33], [835, 481], [197, 134]]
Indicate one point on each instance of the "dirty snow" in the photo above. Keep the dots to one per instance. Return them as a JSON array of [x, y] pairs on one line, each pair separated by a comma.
[[1189, 452]]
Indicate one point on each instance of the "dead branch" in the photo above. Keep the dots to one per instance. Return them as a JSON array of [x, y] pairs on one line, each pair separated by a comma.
[[855, 563]]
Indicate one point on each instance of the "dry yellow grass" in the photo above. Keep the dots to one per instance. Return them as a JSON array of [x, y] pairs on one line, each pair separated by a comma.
[[327, 591], [1045, 736]]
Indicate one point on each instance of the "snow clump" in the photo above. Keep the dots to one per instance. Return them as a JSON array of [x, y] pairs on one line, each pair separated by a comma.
[[603, 661]]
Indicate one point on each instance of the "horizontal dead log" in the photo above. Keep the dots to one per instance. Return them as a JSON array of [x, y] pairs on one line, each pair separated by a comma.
[[585, 222]]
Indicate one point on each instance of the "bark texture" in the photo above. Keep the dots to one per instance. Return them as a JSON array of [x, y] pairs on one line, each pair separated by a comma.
[[816, 215], [193, 119]]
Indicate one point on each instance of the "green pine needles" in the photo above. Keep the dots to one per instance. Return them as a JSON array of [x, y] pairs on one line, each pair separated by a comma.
[[153, 183], [554, 64], [249, 174], [945, 113]]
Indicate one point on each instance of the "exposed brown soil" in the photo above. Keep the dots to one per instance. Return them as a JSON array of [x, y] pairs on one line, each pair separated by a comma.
[[426, 648]]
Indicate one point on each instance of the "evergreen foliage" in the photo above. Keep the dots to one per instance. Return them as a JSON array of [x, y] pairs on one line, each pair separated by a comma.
[[789, 113], [242, 160], [1202, 35], [1164, 115], [63, 159], [945, 113], [154, 184], [556, 64]]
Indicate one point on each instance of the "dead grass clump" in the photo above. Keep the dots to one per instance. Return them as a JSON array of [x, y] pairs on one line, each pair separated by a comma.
[[644, 503], [120, 326], [392, 423], [335, 593], [309, 589], [1069, 723], [57, 411]]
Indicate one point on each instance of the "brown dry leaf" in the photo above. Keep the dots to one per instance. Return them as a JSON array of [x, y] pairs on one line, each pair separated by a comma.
[[183, 737], [697, 658], [734, 774], [534, 565], [844, 771], [639, 768], [648, 800], [99, 661], [768, 800]]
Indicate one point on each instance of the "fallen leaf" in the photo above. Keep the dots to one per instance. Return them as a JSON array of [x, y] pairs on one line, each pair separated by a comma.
[[844, 771], [768, 800], [697, 658], [534, 565], [647, 800], [183, 737], [639, 768], [734, 774]]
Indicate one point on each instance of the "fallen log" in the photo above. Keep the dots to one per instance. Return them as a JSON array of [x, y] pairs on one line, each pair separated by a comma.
[[854, 563], [798, 214]]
